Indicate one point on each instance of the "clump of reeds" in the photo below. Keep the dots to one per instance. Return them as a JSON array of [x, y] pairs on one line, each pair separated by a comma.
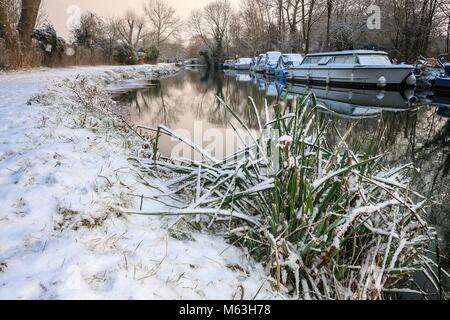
[[331, 223]]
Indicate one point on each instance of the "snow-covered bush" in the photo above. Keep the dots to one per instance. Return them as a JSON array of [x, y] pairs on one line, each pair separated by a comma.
[[48, 40]]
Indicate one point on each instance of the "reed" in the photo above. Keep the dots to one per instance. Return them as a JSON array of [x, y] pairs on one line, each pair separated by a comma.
[[330, 222]]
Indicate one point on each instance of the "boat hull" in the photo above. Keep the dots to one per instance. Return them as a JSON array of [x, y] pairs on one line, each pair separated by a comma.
[[269, 70], [442, 86], [242, 67], [355, 76], [260, 68]]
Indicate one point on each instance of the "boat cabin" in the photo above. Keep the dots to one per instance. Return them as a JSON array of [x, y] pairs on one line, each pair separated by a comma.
[[347, 58]]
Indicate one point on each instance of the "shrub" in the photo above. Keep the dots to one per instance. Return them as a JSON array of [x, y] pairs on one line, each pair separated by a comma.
[[151, 54], [48, 40], [125, 54]]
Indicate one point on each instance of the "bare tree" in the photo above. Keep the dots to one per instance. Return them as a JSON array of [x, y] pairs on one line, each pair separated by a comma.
[[445, 8], [9, 15], [309, 16], [6, 30], [411, 24], [111, 35], [163, 21], [212, 24], [89, 31], [131, 29]]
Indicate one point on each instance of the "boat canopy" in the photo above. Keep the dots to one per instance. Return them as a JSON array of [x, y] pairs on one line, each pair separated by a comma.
[[273, 56], [244, 61], [346, 58], [290, 60], [347, 52]]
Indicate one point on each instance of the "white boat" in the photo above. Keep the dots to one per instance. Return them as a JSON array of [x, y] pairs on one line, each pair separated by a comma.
[[243, 64], [286, 61], [261, 63], [271, 62], [360, 68]]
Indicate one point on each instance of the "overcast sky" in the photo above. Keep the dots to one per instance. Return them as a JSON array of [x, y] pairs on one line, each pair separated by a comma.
[[61, 12]]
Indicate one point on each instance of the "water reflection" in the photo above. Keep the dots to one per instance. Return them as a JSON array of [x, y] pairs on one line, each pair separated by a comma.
[[413, 128]]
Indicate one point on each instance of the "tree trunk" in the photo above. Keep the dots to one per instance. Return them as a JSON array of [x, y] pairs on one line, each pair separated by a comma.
[[27, 22], [448, 39], [6, 31], [329, 13], [8, 34]]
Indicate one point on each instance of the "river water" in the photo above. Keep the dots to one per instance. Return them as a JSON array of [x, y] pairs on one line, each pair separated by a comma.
[[414, 127]]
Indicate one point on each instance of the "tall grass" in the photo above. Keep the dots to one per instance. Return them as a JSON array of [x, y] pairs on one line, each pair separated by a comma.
[[330, 223]]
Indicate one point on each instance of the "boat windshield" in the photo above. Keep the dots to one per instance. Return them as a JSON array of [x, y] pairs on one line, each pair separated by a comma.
[[244, 61], [374, 60]]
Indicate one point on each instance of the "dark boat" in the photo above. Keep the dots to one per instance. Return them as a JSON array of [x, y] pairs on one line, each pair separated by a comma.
[[442, 83]]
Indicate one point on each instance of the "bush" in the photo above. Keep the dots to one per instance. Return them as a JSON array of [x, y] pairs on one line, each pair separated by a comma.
[[48, 40], [124, 54], [150, 54]]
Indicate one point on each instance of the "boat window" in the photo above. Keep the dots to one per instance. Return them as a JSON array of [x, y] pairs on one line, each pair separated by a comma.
[[348, 60], [374, 60], [324, 61], [311, 60]]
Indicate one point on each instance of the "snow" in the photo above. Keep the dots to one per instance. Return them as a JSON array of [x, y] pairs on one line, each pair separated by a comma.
[[60, 234]]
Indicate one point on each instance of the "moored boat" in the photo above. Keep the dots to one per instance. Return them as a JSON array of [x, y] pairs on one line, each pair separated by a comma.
[[358, 68], [243, 64]]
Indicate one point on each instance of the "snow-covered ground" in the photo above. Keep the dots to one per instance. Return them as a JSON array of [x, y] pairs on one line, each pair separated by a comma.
[[61, 236]]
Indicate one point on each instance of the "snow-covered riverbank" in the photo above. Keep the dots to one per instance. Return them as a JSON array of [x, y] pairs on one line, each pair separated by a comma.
[[61, 236]]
